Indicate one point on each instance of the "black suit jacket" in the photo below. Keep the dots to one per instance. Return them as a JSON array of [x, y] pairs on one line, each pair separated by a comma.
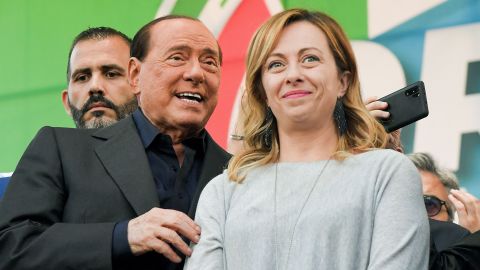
[[459, 250], [446, 234], [70, 188]]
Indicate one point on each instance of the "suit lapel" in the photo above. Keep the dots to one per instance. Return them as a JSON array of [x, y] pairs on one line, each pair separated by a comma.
[[123, 156]]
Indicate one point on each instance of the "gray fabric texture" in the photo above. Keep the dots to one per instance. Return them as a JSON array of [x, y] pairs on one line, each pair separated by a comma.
[[365, 212]]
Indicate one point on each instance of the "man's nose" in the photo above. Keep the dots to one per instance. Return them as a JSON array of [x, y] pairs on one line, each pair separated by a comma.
[[194, 73], [97, 85]]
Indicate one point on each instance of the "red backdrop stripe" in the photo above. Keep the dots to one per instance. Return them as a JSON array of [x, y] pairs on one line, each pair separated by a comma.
[[234, 41]]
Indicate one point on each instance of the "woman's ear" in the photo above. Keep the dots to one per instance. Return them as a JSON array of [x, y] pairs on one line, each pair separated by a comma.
[[345, 79], [134, 67]]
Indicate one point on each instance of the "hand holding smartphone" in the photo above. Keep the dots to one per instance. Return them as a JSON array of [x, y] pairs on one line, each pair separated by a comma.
[[405, 106]]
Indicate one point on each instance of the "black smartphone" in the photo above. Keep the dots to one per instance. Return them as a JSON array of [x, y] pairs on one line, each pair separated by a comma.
[[405, 106]]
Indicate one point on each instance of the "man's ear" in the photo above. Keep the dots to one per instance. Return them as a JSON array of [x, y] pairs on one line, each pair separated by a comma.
[[65, 102], [134, 66], [345, 79]]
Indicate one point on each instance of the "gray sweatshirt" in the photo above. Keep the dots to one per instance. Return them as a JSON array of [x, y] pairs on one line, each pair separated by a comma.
[[365, 212]]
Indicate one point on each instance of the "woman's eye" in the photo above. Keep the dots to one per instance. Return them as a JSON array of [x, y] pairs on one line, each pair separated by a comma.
[[310, 59], [274, 65]]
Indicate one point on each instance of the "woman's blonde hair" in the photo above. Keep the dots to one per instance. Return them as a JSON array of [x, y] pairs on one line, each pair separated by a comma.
[[363, 131]]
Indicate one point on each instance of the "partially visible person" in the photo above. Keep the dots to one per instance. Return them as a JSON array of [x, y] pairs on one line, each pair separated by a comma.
[[443, 196], [440, 186], [122, 197], [310, 190], [452, 247], [436, 184], [98, 92]]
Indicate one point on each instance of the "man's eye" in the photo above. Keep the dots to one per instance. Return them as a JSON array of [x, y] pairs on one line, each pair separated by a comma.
[[176, 57], [81, 78], [211, 62], [111, 74]]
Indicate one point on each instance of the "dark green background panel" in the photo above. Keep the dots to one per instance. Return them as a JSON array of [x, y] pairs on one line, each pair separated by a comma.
[[351, 14], [36, 37]]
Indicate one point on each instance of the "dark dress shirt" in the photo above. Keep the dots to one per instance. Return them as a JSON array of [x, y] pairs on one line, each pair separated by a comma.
[[175, 183]]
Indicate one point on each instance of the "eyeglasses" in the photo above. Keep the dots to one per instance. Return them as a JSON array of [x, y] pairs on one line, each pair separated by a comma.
[[434, 205]]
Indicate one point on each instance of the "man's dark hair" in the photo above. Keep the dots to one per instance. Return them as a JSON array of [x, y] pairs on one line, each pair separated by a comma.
[[95, 33], [425, 162], [141, 40]]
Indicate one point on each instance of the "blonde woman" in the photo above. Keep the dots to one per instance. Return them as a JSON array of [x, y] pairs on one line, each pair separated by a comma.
[[311, 189]]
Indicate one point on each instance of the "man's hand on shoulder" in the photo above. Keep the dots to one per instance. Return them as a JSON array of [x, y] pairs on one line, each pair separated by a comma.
[[160, 229]]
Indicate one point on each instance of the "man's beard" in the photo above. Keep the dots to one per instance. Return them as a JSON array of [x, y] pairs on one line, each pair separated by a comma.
[[98, 121]]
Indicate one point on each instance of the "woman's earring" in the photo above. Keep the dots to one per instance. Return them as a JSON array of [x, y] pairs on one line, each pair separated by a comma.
[[339, 116], [267, 136]]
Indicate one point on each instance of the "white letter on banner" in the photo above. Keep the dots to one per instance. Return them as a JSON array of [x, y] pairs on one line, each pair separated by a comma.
[[379, 70], [447, 53]]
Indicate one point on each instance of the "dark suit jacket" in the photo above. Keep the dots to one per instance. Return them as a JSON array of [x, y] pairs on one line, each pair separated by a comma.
[[446, 234], [462, 253], [70, 188]]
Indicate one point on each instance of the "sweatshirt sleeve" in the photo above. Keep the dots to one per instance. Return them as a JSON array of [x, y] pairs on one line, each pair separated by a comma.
[[401, 232], [210, 216]]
